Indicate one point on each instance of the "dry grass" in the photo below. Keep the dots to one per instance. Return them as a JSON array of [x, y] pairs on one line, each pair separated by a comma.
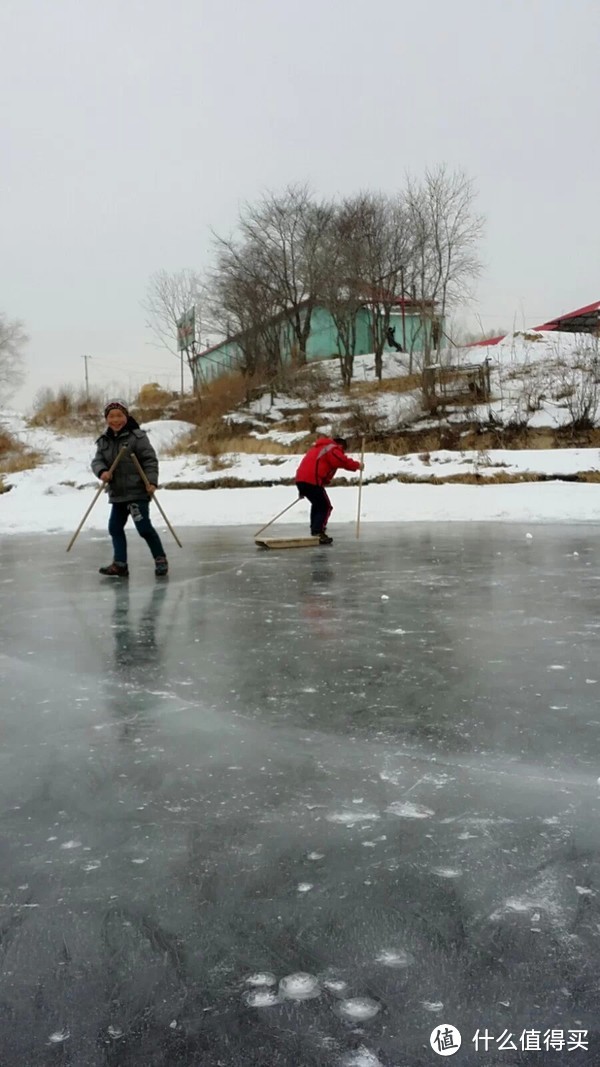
[[228, 483], [470, 478], [67, 410], [15, 456], [258, 446], [218, 397], [218, 439], [20, 461], [406, 384]]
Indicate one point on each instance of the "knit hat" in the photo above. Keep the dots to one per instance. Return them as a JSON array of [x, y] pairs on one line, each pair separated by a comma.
[[118, 404]]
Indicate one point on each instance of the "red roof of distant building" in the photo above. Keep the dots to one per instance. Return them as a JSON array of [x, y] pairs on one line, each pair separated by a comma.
[[553, 324], [487, 341]]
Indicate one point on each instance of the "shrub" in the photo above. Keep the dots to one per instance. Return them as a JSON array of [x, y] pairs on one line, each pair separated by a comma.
[[67, 409], [15, 456]]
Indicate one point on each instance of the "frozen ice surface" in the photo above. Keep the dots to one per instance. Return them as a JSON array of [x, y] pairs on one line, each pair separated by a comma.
[[179, 760]]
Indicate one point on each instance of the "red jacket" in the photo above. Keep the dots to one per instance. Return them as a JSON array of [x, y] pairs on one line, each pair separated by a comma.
[[321, 462]]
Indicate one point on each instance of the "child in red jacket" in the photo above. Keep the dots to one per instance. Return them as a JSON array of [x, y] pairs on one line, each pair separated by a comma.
[[316, 470]]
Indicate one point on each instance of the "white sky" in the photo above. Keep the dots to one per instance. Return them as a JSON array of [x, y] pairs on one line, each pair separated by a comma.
[[128, 128]]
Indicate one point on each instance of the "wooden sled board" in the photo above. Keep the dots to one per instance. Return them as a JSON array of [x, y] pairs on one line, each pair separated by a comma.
[[286, 542]]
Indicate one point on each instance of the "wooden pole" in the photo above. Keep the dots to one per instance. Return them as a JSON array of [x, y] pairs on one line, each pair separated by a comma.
[[269, 523], [153, 496], [360, 481], [101, 490]]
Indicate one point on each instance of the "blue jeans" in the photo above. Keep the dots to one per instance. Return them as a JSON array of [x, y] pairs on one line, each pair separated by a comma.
[[140, 513]]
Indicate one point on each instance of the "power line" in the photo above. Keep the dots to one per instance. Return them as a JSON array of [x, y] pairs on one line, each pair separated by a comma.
[[134, 366]]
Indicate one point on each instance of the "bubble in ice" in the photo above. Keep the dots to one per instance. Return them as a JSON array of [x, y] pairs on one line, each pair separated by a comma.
[[60, 1035], [350, 818], [304, 887], [446, 872], [71, 844], [321, 855], [260, 998], [360, 1057], [529, 536], [384, 596], [395, 958], [358, 1009], [261, 978], [432, 1005], [115, 1032], [337, 986], [299, 986], [407, 810]]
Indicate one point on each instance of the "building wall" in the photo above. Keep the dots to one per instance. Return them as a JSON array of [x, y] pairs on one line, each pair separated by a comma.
[[322, 341], [414, 330]]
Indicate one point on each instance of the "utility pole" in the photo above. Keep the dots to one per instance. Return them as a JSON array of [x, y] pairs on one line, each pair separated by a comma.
[[87, 381]]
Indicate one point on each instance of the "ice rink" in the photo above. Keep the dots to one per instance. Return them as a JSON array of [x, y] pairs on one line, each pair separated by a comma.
[[293, 809]]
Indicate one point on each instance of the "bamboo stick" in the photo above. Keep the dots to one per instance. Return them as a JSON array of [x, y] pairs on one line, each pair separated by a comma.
[[269, 523], [100, 490], [360, 482]]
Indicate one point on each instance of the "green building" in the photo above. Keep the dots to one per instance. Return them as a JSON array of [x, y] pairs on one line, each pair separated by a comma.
[[413, 327]]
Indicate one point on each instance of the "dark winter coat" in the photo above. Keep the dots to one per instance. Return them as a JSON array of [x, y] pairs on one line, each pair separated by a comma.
[[126, 484], [321, 462]]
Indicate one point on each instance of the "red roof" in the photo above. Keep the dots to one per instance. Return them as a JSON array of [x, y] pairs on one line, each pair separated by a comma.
[[554, 323], [487, 341]]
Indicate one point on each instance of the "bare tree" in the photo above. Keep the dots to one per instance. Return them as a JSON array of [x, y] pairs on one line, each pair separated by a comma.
[[579, 382], [244, 305], [283, 239], [383, 235], [446, 232], [13, 340], [342, 292], [169, 297]]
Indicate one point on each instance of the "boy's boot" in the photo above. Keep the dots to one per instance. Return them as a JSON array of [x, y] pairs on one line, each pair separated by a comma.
[[115, 570], [325, 539], [161, 567]]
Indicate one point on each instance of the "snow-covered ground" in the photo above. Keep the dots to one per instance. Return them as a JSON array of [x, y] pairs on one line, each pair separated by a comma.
[[530, 371]]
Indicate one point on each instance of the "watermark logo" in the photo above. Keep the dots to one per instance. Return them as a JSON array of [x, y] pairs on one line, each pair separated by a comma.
[[445, 1039]]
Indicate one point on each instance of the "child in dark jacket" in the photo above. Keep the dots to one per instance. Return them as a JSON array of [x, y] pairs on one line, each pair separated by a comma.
[[127, 491], [316, 470]]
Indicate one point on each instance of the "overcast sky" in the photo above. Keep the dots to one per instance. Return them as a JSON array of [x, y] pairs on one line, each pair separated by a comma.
[[128, 128]]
